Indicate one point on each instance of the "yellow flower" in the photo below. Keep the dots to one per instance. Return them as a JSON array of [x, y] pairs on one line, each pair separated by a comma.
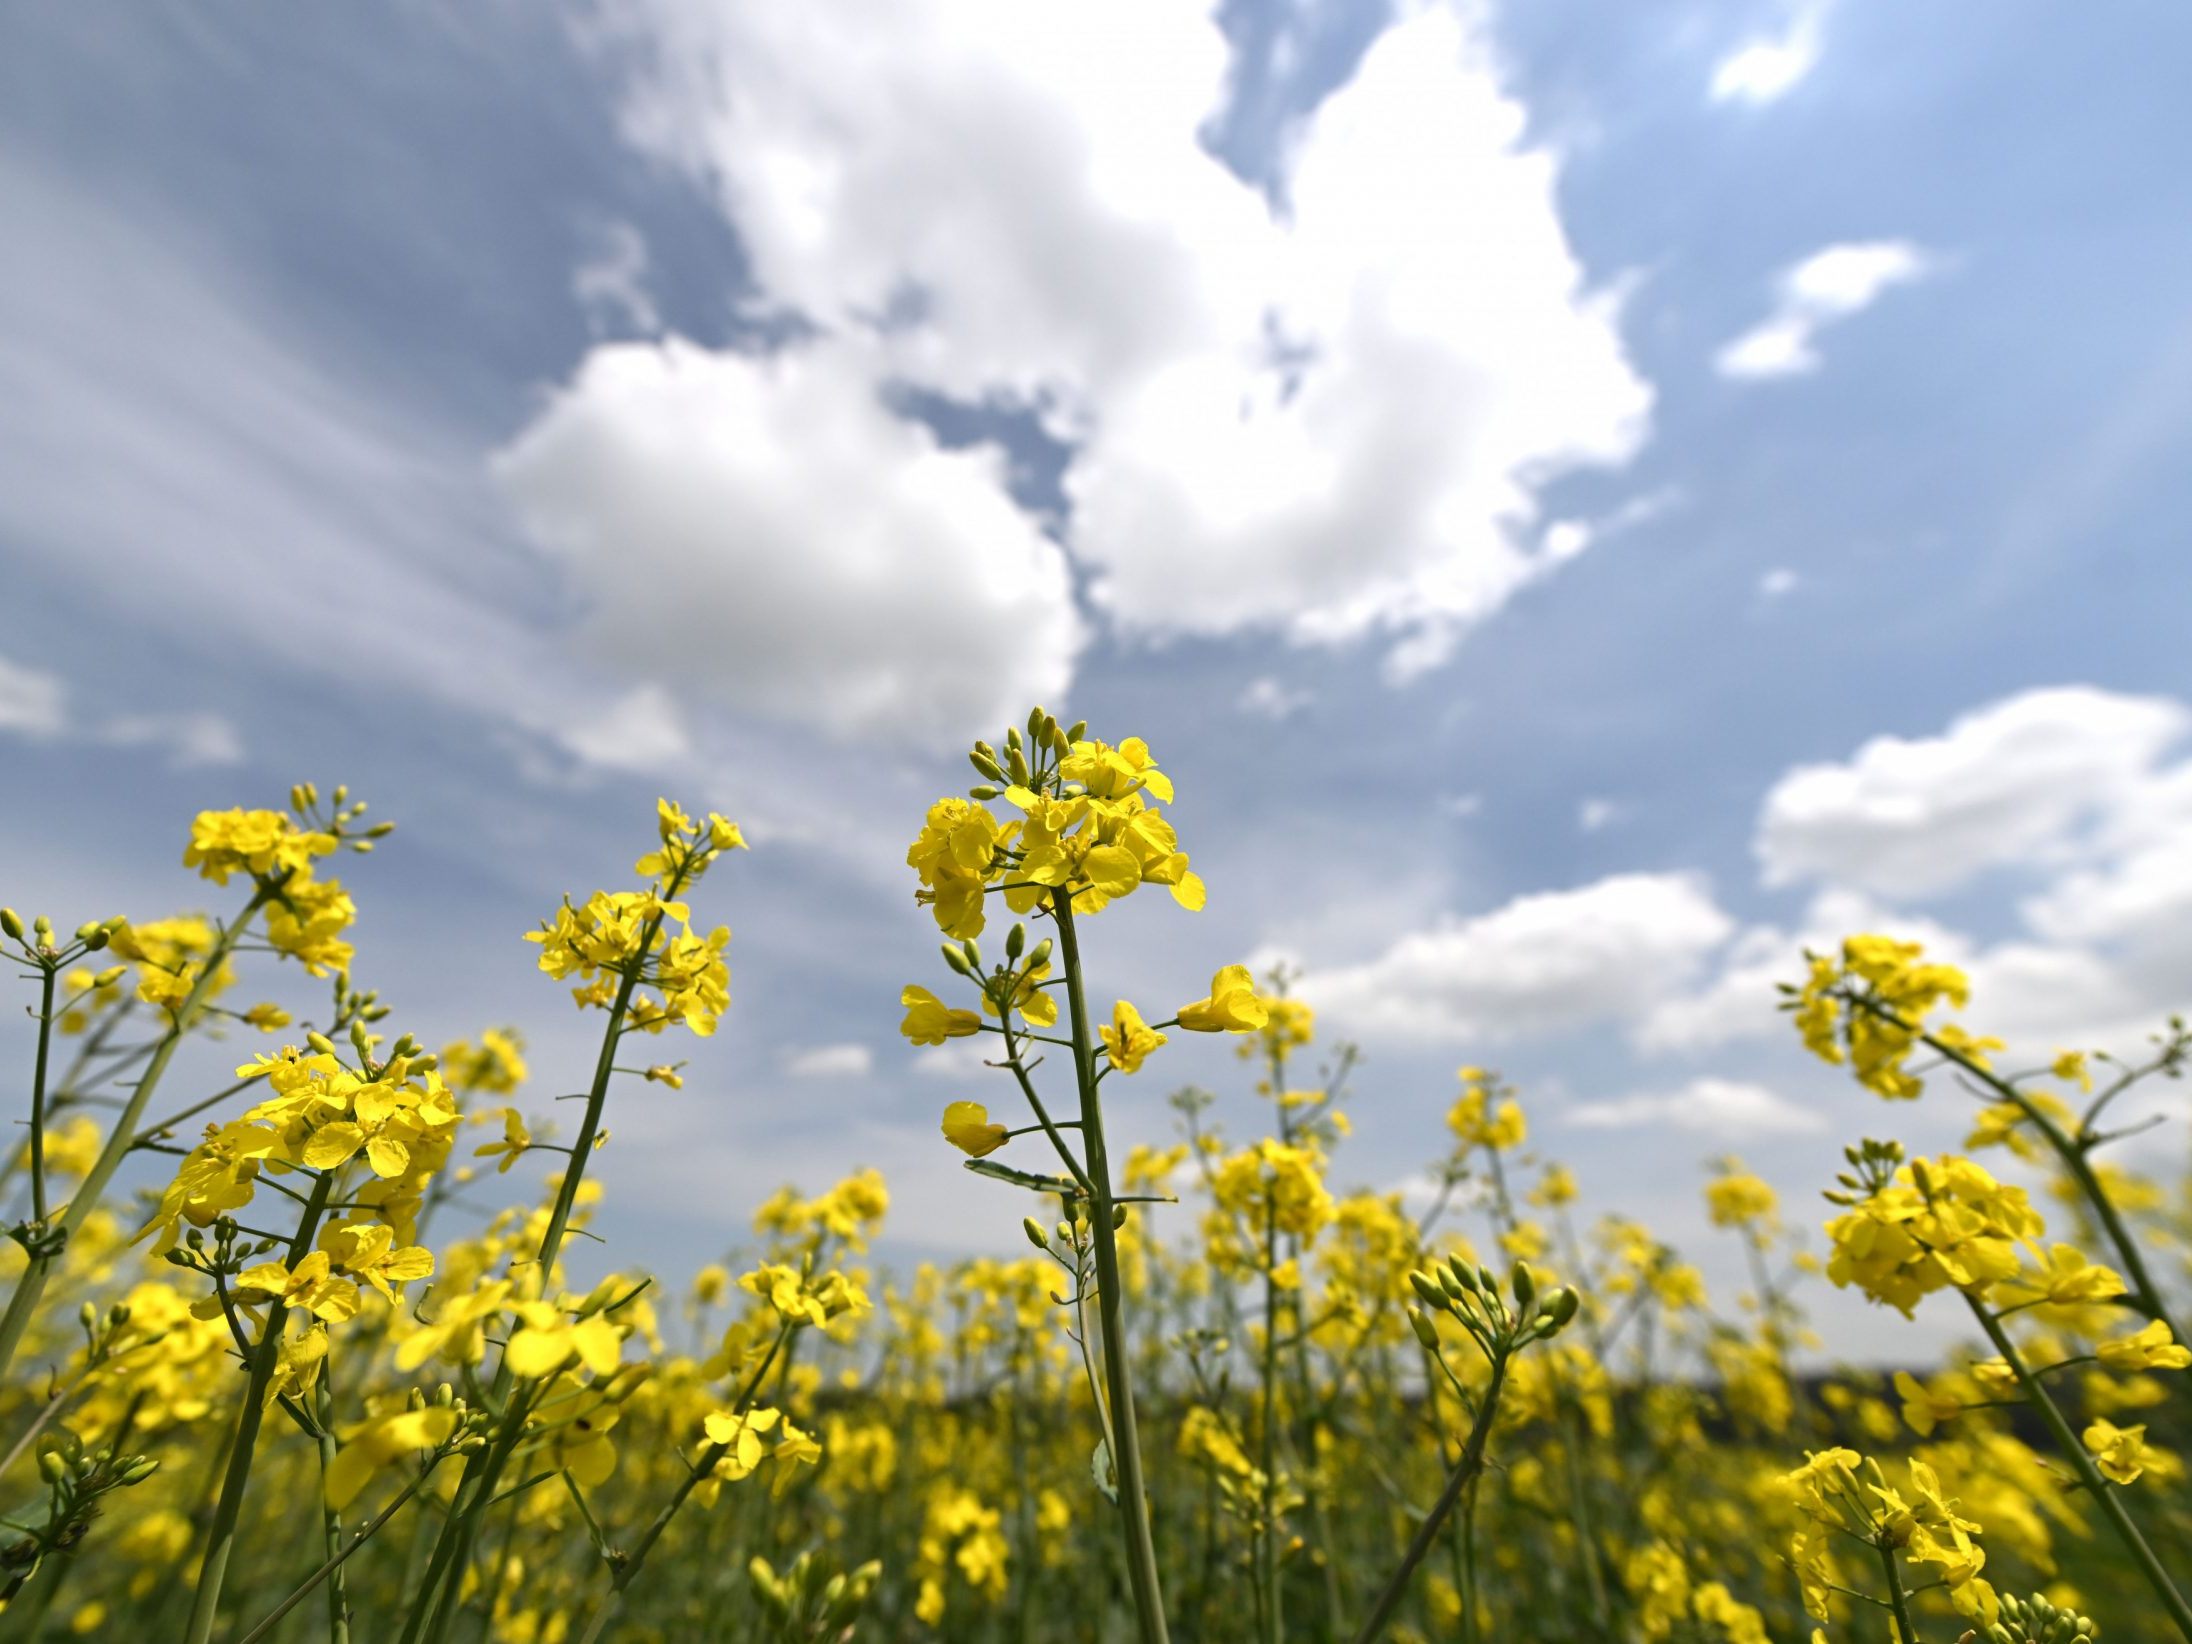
[[515, 1140], [929, 1021], [967, 1127], [1924, 1408], [1231, 1008], [551, 1339], [310, 1286], [2121, 1453], [1128, 1040], [2065, 1279], [370, 1251], [2147, 1348], [369, 1446]]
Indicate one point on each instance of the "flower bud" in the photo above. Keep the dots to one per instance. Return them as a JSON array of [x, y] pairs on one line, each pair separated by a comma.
[[1015, 942], [321, 1043], [12, 923], [982, 790], [1076, 731], [956, 960], [1118, 1215], [1041, 956], [1559, 1309], [1034, 1230], [1432, 1295], [111, 975], [1525, 1284], [1426, 1332], [52, 1467]]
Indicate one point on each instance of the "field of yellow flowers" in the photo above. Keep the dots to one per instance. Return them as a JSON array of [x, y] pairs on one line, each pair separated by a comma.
[[307, 1390]]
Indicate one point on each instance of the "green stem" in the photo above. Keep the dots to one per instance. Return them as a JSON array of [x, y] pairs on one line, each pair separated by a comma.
[[338, 1587], [30, 1285], [341, 1554], [2104, 1494], [1897, 1601], [1126, 1456], [222, 1541], [434, 1605], [2074, 1160], [38, 1101], [1464, 1474]]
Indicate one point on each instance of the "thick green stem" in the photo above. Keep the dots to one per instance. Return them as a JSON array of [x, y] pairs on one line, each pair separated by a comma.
[[222, 1541], [1464, 1474], [2104, 1494], [1126, 1457], [38, 1100], [30, 1286], [1898, 1601]]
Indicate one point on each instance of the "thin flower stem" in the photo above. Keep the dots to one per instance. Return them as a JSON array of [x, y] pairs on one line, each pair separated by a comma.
[[1126, 1457], [222, 1541], [2074, 1451], [1464, 1474], [273, 1619], [38, 1101], [31, 1284]]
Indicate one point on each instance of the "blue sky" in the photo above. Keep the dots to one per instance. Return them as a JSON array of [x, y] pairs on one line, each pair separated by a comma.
[[1584, 499]]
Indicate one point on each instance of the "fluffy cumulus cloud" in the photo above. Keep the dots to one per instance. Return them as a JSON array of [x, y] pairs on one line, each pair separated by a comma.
[[1825, 288], [764, 527], [2078, 800], [1318, 409], [2011, 783], [1728, 1108], [1606, 951]]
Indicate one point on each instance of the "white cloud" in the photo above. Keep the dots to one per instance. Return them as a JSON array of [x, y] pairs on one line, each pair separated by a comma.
[[1326, 419], [1718, 1107], [1273, 699], [2069, 786], [35, 705], [188, 739], [1595, 815], [641, 730], [1604, 951], [611, 285], [831, 1062], [2010, 783], [793, 546], [32, 704], [1779, 583], [1826, 287], [1766, 69]]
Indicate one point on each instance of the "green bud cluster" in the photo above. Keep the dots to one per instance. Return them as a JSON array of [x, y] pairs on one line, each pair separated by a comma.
[[1474, 1296], [2036, 1621], [812, 1599]]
